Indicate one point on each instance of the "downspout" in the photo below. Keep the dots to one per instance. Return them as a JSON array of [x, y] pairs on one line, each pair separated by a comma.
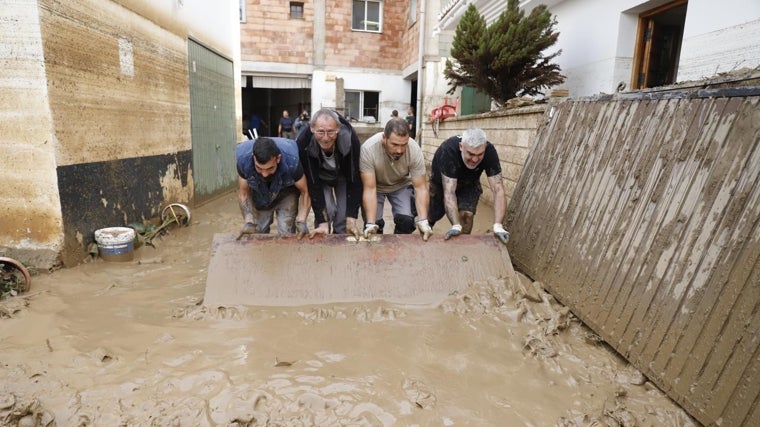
[[420, 75]]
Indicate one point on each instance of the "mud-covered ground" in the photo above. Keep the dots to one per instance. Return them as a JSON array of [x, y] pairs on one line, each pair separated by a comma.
[[131, 344]]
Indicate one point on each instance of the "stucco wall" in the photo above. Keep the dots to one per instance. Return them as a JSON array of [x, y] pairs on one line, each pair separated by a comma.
[[96, 125], [30, 216]]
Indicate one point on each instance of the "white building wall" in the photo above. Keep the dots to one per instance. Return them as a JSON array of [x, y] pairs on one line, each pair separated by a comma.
[[719, 39], [598, 38], [394, 90]]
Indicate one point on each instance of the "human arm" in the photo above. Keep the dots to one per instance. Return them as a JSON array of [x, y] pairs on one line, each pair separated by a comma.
[[499, 207], [451, 206], [422, 202], [369, 201], [304, 204], [246, 208]]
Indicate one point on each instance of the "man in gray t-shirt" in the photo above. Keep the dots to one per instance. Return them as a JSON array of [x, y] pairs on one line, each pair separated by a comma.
[[392, 167]]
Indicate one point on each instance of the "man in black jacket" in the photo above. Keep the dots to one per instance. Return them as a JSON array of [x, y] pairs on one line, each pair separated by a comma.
[[329, 150]]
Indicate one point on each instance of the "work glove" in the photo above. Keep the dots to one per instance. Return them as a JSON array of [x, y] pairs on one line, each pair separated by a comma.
[[424, 226], [323, 228], [370, 229], [500, 233], [248, 229], [352, 229], [301, 230], [455, 231]]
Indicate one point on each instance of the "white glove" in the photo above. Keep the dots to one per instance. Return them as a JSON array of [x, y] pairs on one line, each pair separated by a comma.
[[424, 226], [500, 233], [455, 231], [370, 229]]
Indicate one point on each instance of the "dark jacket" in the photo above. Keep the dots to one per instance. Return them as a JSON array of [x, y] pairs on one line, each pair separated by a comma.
[[347, 151]]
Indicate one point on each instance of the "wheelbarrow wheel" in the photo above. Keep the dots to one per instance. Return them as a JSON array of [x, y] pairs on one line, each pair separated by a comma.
[[14, 277], [176, 212]]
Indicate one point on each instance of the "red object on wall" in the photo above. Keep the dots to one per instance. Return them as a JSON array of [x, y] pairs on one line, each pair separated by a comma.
[[444, 111]]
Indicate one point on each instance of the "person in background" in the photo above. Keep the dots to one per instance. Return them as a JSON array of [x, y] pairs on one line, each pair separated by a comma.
[[302, 122], [271, 179], [392, 167], [255, 123], [455, 186], [285, 128], [329, 150], [394, 113], [411, 122]]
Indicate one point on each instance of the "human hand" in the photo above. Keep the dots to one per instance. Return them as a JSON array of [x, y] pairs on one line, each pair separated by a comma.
[[370, 229], [501, 233], [424, 226], [352, 229], [301, 229], [324, 228], [248, 229], [454, 231]]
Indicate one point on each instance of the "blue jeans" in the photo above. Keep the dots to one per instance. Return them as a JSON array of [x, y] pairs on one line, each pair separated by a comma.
[[286, 207]]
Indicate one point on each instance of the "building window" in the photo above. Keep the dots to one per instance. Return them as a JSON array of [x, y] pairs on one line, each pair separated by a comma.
[[296, 9], [412, 12], [242, 10], [368, 15], [362, 105]]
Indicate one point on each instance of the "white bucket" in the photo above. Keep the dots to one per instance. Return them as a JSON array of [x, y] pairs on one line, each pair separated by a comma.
[[115, 243]]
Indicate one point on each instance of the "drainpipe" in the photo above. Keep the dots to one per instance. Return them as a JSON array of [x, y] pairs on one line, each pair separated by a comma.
[[420, 75]]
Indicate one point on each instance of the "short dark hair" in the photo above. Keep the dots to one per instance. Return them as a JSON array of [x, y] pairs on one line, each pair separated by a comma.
[[264, 149], [396, 125]]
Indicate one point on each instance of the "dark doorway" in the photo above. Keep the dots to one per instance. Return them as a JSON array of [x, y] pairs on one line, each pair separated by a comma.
[[269, 104], [658, 46]]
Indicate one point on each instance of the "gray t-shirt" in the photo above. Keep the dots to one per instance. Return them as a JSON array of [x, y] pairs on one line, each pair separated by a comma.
[[391, 175]]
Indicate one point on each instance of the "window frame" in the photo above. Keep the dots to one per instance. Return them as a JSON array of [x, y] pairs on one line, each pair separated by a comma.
[[365, 25], [362, 107], [296, 4]]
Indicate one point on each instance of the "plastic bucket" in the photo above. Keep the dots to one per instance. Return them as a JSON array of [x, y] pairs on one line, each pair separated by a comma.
[[116, 243]]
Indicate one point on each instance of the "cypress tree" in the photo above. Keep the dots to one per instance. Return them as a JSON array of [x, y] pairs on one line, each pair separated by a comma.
[[506, 58]]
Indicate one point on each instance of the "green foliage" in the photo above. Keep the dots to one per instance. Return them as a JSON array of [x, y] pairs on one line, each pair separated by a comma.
[[505, 58]]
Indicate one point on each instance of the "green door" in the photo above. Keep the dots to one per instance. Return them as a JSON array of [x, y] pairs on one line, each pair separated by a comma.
[[474, 102], [212, 121]]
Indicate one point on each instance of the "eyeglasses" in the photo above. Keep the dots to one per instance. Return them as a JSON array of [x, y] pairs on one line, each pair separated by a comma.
[[322, 133]]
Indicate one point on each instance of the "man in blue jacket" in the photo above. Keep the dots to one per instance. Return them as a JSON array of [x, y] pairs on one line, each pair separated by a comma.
[[329, 150], [271, 179]]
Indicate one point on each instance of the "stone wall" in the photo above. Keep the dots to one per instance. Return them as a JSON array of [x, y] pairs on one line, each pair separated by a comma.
[[512, 131]]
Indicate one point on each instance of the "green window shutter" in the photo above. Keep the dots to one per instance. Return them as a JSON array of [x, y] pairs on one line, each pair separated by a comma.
[[474, 102]]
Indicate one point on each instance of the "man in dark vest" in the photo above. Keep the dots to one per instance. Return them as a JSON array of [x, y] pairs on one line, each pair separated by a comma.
[[271, 179]]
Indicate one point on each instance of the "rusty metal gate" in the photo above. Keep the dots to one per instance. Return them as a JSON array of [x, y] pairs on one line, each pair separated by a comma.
[[641, 212], [212, 116]]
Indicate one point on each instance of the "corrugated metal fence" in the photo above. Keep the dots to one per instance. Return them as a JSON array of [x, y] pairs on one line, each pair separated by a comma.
[[641, 214]]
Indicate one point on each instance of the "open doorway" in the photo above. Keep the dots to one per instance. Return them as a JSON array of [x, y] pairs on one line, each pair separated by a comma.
[[658, 45]]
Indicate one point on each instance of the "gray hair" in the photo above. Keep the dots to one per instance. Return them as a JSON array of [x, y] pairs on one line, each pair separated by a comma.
[[474, 137], [324, 112]]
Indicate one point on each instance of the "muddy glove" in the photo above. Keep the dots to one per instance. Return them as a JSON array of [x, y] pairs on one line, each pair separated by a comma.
[[501, 233], [370, 229], [323, 229], [455, 231], [301, 229], [352, 229], [424, 226], [248, 229]]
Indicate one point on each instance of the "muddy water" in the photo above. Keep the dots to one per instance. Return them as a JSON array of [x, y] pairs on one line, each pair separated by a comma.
[[110, 344]]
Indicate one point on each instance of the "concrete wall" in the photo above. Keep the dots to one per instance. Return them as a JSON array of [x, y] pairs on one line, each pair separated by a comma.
[[98, 132], [640, 212], [30, 207]]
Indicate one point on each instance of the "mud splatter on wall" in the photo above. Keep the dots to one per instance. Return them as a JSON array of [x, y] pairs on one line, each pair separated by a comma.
[[641, 214]]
